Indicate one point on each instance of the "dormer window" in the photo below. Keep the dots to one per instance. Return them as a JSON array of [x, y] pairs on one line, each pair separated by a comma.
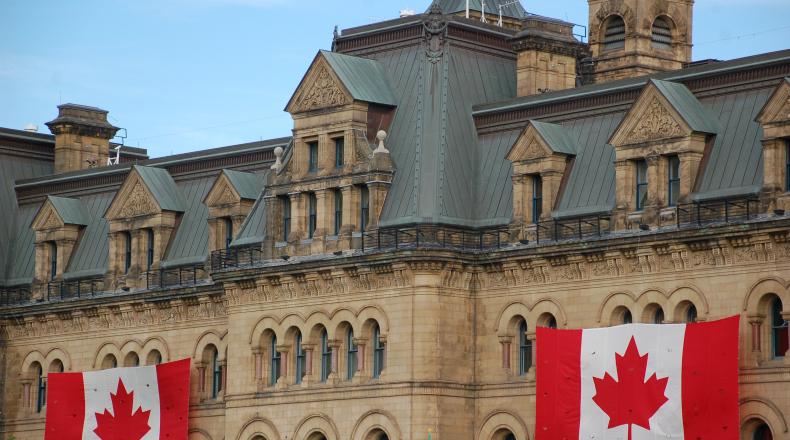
[[614, 35], [537, 198], [312, 217], [340, 145], [53, 261], [149, 251], [338, 196], [673, 180], [662, 34], [228, 226], [641, 184], [312, 148], [285, 205], [364, 207], [127, 252]]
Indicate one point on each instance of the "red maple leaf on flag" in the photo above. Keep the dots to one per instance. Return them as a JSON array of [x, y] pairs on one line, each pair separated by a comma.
[[124, 424], [630, 400]]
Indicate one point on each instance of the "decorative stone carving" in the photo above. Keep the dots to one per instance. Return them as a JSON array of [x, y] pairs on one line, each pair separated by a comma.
[[435, 26], [138, 203], [323, 92], [52, 221], [656, 123]]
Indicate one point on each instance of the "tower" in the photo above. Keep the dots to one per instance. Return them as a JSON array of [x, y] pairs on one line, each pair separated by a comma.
[[638, 37]]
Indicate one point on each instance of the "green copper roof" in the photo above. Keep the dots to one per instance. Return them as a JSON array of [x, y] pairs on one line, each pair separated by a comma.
[[687, 105], [248, 185], [70, 211], [365, 79], [510, 8], [163, 188], [557, 136]]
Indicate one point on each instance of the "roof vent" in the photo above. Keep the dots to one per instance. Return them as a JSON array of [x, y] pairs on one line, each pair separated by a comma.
[[33, 128], [407, 13]]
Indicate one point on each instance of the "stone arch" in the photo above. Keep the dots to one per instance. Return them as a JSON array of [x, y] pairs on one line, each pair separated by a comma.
[[210, 337], [500, 419], [374, 313], [33, 356], [263, 324], [765, 410], [765, 286], [316, 423], [155, 343], [376, 419], [344, 315], [611, 302], [130, 349], [313, 325], [550, 306], [57, 354], [198, 434], [692, 295], [292, 320], [258, 426], [509, 316], [104, 350]]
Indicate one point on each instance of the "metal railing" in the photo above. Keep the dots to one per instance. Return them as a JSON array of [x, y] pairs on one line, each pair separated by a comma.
[[60, 290], [572, 228], [236, 257], [11, 296], [716, 211], [176, 276], [427, 236]]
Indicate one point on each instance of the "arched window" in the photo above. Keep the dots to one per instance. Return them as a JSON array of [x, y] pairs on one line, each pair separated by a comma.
[[53, 261], [524, 349], [109, 361], [326, 356], [228, 224], [627, 318], [149, 252], [614, 34], [691, 314], [763, 432], [300, 359], [551, 322], [216, 374], [274, 362], [779, 336], [378, 352], [41, 387], [351, 363], [127, 251], [131, 360], [662, 34], [154, 357], [658, 316]]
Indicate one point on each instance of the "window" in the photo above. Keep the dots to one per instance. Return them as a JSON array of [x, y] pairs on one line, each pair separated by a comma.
[[779, 336], [338, 195], [313, 151], [216, 374], [326, 357], [510, 437], [364, 207], [154, 357], [662, 34], [641, 184], [614, 36], [378, 352], [658, 316], [691, 314], [312, 216], [150, 248], [131, 360], [53, 261], [228, 232], [300, 359], [340, 145], [763, 432], [285, 204], [627, 318], [274, 362], [109, 362], [127, 252], [41, 384], [537, 198], [787, 166], [524, 349], [673, 180], [352, 354]]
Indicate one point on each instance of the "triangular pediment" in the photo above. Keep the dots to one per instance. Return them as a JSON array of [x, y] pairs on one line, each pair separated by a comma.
[[320, 88], [222, 193], [540, 140], [47, 218], [651, 118], [777, 109], [133, 199]]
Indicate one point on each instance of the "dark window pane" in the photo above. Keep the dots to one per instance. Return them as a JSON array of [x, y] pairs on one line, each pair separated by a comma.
[[339, 152], [763, 432], [228, 232], [662, 34], [641, 184], [537, 198], [524, 349], [658, 317], [149, 249], [312, 219], [274, 368], [127, 258], [378, 353], [673, 180], [326, 357], [614, 36], [338, 211], [285, 202], [364, 207], [627, 318], [352, 355], [780, 337], [53, 261], [313, 152]]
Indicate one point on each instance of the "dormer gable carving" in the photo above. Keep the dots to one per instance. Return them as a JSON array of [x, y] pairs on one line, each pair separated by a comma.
[[229, 201], [57, 225], [540, 157], [320, 89], [775, 114]]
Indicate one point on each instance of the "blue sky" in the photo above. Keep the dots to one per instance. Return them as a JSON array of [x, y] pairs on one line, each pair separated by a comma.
[[183, 75]]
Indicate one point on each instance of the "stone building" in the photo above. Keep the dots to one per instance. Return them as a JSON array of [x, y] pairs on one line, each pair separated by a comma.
[[449, 186]]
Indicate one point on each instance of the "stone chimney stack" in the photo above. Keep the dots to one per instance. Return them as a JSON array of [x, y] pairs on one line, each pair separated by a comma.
[[547, 55], [82, 137]]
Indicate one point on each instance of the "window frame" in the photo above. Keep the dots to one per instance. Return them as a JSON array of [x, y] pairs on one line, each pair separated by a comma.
[[53, 260], [300, 358], [326, 357], [312, 154], [640, 181], [149, 253], [613, 40], [312, 214], [364, 207], [228, 225], [537, 198], [286, 217], [340, 145], [524, 349], [657, 39], [352, 352], [673, 180], [41, 394], [378, 352], [216, 374], [338, 201], [127, 252], [787, 165], [779, 330], [275, 359]]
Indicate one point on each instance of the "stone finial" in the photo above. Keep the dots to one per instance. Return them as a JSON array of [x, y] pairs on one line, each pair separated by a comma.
[[278, 164], [381, 135]]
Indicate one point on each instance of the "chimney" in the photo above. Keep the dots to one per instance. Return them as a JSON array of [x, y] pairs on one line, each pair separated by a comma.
[[82, 137], [547, 55]]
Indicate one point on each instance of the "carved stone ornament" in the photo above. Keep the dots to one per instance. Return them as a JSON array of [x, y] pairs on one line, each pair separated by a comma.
[[226, 197], [655, 123], [323, 91], [138, 203], [784, 113], [52, 221], [435, 26]]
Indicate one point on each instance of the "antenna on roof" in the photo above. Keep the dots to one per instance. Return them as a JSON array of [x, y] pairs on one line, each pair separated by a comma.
[[502, 6], [117, 159]]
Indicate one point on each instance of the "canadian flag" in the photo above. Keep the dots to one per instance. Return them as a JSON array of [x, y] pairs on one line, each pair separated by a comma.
[[139, 403], [638, 382]]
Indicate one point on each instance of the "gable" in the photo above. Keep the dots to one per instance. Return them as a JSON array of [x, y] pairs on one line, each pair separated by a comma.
[[650, 118], [47, 218], [777, 109], [540, 140], [320, 88], [56, 212], [222, 193], [134, 199]]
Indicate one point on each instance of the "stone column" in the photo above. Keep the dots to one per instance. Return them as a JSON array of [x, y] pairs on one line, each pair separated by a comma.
[[334, 345], [756, 321], [27, 395], [689, 167], [257, 355], [201, 369], [223, 364], [309, 350], [654, 181], [552, 181], [324, 213], [349, 222], [298, 217], [506, 342], [362, 371], [624, 194], [283, 381], [532, 337]]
